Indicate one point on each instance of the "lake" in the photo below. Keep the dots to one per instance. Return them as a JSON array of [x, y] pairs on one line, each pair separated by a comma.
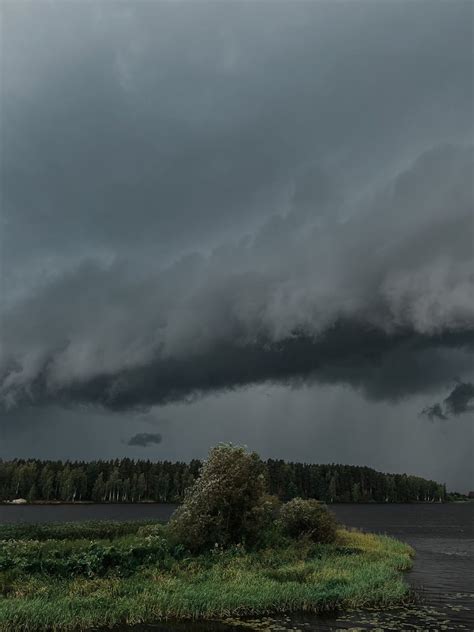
[[443, 574]]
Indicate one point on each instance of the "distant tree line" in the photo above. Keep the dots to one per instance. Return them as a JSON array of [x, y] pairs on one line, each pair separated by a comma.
[[349, 483], [126, 480]]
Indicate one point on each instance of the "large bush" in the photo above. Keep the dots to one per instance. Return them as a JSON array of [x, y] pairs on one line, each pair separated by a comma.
[[227, 503], [308, 518]]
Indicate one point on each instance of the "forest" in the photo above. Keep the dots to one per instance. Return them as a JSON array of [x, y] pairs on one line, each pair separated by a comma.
[[130, 481]]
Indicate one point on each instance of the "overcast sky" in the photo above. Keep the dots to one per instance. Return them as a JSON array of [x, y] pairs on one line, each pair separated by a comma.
[[245, 221]]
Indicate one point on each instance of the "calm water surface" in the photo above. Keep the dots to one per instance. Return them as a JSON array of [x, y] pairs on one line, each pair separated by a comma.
[[443, 575], [82, 513]]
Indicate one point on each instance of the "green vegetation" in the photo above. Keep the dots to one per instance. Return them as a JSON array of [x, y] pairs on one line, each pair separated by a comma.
[[68, 584], [300, 518], [137, 481], [100, 530], [78, 576]]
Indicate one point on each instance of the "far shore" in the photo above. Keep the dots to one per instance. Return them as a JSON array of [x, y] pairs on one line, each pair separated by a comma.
[[10, 503]]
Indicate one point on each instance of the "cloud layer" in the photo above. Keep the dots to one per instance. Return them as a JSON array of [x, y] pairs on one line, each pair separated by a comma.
[[379, 297], [148, 130], [200, 197]]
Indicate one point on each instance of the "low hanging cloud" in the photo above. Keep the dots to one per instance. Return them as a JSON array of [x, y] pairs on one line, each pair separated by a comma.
[[379, 297], [144, 439], [459, 401], [434, 412]]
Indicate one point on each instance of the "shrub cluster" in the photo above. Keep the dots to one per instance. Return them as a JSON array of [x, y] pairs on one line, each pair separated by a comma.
[[308, 518], [228, 505]]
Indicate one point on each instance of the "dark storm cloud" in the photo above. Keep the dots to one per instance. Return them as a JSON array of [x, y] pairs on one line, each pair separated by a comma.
[[391, 313], [384, 366], [459, 401], [144, 439], [328, 133]]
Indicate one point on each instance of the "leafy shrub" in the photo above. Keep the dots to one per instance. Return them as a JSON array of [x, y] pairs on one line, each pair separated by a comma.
[[226, 504], [308, 518], [270, 533]]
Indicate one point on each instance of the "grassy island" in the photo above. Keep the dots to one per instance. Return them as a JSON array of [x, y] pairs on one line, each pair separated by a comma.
[[264, 558]]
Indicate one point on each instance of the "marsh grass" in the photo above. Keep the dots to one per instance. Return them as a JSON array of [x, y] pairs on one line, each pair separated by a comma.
[[103, 529], [136, 574]]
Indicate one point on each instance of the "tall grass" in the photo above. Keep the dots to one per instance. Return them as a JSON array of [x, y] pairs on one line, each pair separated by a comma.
[[161, 582], [103, 529]]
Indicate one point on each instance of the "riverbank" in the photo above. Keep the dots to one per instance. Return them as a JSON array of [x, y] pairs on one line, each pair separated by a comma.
[[90, 575]]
